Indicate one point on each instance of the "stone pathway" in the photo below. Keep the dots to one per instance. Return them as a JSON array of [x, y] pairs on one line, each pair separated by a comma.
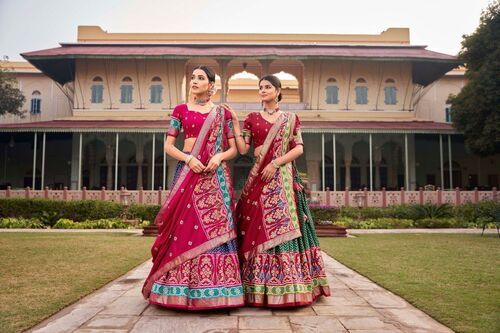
[[422, 231], [357, 306]]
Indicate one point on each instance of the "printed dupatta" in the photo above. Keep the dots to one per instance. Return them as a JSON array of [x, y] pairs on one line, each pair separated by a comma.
[[197, 215], [267, 212]]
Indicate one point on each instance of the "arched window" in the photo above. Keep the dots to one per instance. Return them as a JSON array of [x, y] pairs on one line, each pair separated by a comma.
[[156, 90], [126, 90], [361, 91], [36, 102], [332, 91], [390, 92], [96, 90]]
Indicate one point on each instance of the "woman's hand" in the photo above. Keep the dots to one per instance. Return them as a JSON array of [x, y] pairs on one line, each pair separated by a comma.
[[268, 172], [214, 163], [195, 165]]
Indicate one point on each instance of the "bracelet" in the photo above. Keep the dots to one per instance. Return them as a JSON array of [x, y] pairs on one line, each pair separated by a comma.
[[188, 159], [273, 163]]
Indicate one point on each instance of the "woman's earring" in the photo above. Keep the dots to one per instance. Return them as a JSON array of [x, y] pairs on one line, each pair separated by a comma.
[[212, 90]]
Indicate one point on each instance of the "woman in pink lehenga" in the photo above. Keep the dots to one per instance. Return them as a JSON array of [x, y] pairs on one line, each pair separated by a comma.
[[282, 263], [195, 261]]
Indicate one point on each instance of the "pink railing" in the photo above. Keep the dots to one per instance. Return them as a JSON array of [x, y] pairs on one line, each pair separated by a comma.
[[345, 198], [140, 196], [385, 198]]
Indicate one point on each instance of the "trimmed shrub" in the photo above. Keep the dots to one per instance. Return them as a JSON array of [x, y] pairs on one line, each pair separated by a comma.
[[143, 212], [14, 223], [386, 223], [324, 213], [437, 223], [477, 213], [431, 211], [89, 224], [50, 211], [380, 223]]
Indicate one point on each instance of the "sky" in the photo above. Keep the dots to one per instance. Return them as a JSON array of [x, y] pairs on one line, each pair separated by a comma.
[[29, 25]]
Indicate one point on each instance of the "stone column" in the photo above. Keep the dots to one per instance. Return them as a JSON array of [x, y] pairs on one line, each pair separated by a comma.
[[224, 79], [364, 174], [75, 151], [109, 162], [312, 154], [313, 174], [347, 161], [265, 63], [91, 161], [123, 169], [394, 166], [411, 162], [139, 159], [377, 159]]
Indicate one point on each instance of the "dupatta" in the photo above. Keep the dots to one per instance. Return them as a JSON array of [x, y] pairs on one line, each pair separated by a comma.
[[197, 215], [267, 212]]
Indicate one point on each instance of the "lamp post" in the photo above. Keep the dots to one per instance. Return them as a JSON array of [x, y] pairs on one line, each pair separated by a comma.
[[359, 198], [125, 201]]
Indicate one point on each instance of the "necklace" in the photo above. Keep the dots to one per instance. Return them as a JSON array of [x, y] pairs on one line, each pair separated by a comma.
[[201, 102], [271, 112]]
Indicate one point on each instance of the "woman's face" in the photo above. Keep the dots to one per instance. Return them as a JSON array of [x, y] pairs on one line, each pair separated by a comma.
[[267, 91], [199, 82]]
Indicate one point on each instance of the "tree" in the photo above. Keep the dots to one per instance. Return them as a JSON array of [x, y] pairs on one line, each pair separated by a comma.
[[475, 111], [11, 98]]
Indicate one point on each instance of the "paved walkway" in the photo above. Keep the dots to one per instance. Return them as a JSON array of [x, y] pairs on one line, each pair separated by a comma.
[[422, 231], [357, 306]]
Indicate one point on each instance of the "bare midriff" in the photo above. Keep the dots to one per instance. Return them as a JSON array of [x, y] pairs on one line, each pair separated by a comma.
[[188, 144]]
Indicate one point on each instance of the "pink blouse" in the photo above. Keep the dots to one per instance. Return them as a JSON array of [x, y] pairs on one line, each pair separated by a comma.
[[255, 129], [192, 121]]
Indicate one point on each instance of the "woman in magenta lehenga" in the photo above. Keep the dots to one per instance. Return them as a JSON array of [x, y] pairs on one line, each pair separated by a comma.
[[195, 260], [282, 263]]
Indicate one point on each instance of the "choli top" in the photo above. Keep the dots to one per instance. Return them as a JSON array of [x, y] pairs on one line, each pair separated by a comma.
[[192, 121], [255, 129]]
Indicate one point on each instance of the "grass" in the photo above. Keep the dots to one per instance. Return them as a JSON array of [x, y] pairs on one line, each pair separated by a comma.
[[453, 278], [42, 273]]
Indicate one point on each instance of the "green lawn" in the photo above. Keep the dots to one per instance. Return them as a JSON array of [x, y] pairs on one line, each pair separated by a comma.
[[453, 278], [41, 273]]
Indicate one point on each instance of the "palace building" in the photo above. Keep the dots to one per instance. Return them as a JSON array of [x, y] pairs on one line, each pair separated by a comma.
[[373, 109]]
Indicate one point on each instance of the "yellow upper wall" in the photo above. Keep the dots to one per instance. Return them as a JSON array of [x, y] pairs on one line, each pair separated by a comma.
[[95, 34]]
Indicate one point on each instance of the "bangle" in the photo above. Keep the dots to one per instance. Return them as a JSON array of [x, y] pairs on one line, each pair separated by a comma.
[[274, 164], [188, 159]]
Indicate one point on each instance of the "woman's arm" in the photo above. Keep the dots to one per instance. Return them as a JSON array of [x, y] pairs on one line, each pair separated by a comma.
[[241, 145], [216, 160], [192, 162], [292, 155], [270, 169]]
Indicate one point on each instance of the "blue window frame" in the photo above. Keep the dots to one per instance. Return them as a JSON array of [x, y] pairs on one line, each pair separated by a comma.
[[36, 103], [361, 95], [126, 93], [332, 94], [390, 95], [96, 96], [156, 90]]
